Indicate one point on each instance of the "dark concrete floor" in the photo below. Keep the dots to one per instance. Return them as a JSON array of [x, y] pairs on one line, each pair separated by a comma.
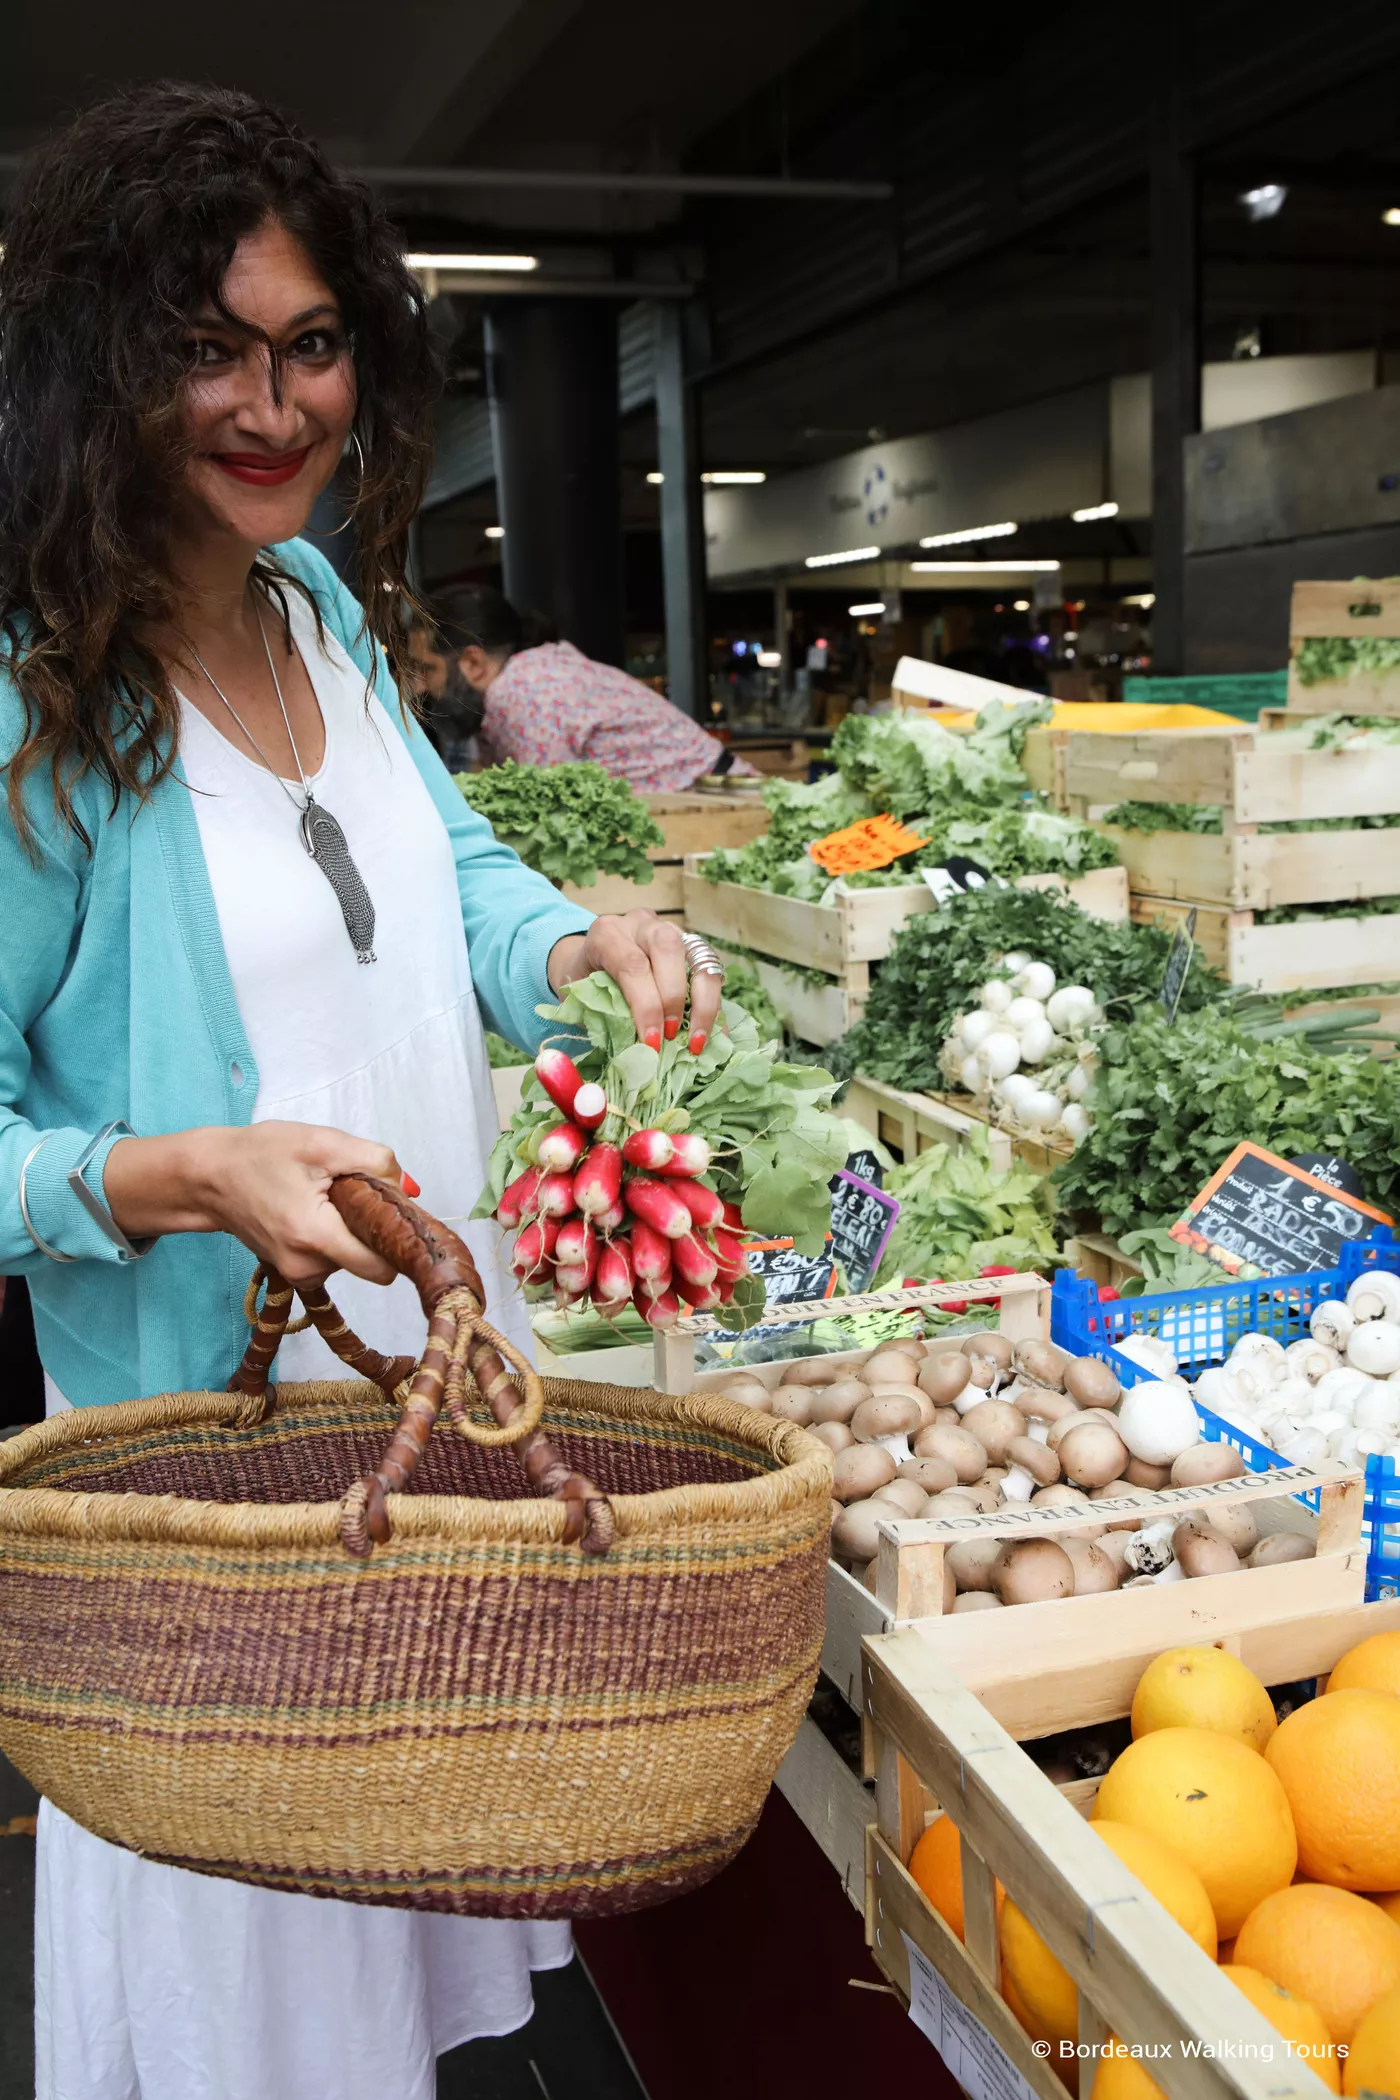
[[568, 2051]]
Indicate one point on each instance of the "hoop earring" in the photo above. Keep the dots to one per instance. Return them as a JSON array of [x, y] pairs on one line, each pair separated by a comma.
[[336, 530]]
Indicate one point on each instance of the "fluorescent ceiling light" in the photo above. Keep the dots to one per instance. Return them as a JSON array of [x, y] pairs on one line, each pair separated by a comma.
[[656, 480], [984, 568], [1095, 510], [857, 610], [832, 561], [473, 262], [1146, 599], [972, 532], [1021, 605], [1265, 202], [1391, 217], [770, 659], [495, 532], [737, 477]]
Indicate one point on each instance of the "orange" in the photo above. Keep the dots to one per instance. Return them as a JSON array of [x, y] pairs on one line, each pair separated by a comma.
[[1389, 1902], [1203, 1688], [1123, 2078], [936, 1864], [1373, 1665], [1217, 1803], [1373, 2061], [1301, 2025], [1335, 1949], [1339, 1762], [1043, 1989]]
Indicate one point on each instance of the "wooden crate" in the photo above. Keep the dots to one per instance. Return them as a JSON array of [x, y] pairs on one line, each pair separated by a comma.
[[1254, 778], [936, 1749], [1344, 609], [691, 824], [908, 1123], [845, 937]]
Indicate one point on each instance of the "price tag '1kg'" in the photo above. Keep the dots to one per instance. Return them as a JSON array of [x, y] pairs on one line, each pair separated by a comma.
[[873, 843]]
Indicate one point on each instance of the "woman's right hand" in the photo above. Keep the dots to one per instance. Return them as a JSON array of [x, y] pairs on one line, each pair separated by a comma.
[[268, 1185]]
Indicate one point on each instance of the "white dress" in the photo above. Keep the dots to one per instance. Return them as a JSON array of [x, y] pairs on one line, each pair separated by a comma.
[[156, 1984]]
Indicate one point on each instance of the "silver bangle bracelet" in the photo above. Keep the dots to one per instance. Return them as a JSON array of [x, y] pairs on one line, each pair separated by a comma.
[[130, 1250], [42, 1244]]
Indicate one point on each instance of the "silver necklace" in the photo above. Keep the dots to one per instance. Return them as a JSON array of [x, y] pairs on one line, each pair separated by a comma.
[[320, 833]]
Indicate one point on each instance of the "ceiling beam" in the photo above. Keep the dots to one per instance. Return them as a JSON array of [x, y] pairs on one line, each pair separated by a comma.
[[799, 189]]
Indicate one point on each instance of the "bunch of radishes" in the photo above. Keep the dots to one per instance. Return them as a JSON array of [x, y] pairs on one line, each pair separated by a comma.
[[609, 1214], [1335, 1394], [1027, 1049]]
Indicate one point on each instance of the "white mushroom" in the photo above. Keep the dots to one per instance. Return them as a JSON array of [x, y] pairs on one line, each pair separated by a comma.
[[1375, 1348], [1150, 1550], [1157, 1422], [1332, 1323], [1375, 1295]]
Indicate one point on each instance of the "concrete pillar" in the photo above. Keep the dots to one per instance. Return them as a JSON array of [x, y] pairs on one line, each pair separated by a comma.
[[682, 519], [552, 373]]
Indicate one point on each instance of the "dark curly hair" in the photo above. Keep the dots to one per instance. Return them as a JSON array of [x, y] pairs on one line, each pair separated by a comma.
[[122, 227]]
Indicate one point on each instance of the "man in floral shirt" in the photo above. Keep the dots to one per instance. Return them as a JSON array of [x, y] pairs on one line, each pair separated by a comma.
[[546, 703]]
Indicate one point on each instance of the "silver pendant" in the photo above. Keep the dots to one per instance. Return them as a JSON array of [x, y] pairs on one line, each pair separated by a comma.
[[325, 842]]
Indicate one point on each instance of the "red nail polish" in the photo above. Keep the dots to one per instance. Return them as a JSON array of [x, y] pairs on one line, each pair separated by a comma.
[[697, 1042], [653, 1039], [409, 1185], [673, 1029]]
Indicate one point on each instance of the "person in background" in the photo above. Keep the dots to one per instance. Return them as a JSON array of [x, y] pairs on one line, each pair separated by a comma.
[[544, 702], [450, 709]]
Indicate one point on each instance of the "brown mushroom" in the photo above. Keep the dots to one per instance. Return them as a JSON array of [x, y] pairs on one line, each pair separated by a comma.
[[1202, 1551], [1094, 1570], [962, 1451], [992, 1348], [812, 1370], [835, 1435], [1279, 1547], [792, 1403], [1061, 1429], [971, 1561], [952, 1502], [1091, 1454], [1113, 1544], [1235, 1522], [983, 1371], [931, 1474], [976, 1600], [1041, 1402], [902, 1495], [855, 1534], [944, 1376], [1034, 1458], [996, 1426], [1059, 1495], [1042, 1363], [884, 1415], [1204, 1462], [913, 1393], [1139, 1474], [1032, 1571], [898, 1345], [1091, 1382], [985, 1494], [838, 1402], [743, 1387], [859, 1470]]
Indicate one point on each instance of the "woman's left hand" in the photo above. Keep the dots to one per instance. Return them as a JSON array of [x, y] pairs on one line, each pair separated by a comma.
[[643, 955]]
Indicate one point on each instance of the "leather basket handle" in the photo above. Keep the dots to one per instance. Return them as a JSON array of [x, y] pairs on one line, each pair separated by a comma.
[[460, 1342]]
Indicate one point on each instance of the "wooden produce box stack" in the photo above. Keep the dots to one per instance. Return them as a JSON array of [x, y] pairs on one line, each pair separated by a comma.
[[1350, 611], [1254, 777], [936, 1747], [844, 938], [909, 1123], [692, 823]]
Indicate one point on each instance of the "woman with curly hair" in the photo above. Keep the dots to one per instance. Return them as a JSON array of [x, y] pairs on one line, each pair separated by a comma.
[[250, 935]]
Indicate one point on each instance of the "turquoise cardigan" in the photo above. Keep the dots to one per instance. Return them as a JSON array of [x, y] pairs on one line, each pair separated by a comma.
[[116, 1001]]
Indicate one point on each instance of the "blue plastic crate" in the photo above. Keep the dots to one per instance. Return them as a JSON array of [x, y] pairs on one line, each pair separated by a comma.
[[1201, 1327]]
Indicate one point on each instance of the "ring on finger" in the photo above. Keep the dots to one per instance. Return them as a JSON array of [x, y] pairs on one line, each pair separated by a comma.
[[701, 959]]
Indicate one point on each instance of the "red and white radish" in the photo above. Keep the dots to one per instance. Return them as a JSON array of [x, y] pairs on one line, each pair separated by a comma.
[[599, 1179], [649, 1149], [700, 1297], [554, 1196], [613, 1280], [576, 1244], [560, 1149], [590, 1105], [659, 1312], [693, 1261], [657, 1206], [706, 1210], [691, 1154], [560, 1078], [518, 1197], [611, 1219], [534, 1248], [651, 1256]]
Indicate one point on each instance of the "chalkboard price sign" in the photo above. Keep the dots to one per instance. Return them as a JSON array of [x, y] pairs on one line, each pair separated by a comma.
[[865, 1167], [789, 1276], [862, 1219], [1178, 964], [1265, 1216]]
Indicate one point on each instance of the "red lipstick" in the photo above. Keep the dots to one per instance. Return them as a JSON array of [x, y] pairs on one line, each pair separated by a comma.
[[264, 470]]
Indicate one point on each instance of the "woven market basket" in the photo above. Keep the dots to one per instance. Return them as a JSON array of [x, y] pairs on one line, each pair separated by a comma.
[[561, 1691]]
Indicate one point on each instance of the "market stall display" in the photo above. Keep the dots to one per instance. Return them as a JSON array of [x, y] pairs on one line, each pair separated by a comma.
[[1344, 648], [1032, 1942]]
